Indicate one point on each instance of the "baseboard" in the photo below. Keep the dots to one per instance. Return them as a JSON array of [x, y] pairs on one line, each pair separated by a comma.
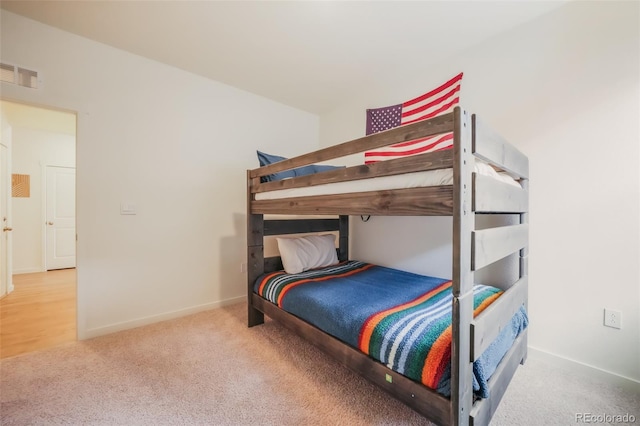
[[626, 383], [139, 322]]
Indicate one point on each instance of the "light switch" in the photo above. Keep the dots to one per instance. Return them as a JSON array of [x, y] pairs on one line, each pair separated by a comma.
[[127, 208]]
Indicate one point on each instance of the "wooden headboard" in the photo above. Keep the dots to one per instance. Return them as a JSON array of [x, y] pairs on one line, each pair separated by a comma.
[[303, 226]]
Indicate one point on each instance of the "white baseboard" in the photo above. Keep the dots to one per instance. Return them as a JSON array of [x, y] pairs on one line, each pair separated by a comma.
[[126, 325], [626, 383]]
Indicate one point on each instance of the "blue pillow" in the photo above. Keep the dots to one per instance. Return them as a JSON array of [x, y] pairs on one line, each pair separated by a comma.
[[266, 159]]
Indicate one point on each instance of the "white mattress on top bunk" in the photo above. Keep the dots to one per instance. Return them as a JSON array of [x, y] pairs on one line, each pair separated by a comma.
[[407, 180]]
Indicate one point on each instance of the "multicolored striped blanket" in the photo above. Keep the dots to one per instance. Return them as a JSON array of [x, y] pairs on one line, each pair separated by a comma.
[[401, 319]]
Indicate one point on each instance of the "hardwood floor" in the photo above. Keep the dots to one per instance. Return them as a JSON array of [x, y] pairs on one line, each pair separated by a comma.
[[39, 313]]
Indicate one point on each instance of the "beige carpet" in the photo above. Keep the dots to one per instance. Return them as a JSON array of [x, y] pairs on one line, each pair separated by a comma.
[[210, 369]]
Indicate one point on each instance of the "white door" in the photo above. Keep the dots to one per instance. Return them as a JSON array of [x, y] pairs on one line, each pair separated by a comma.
[[5, 265], [60, 217]]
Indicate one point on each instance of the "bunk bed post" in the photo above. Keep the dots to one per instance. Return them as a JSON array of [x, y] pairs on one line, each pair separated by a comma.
[[524, 260], [462, 309], [255, 256], [343, 244]]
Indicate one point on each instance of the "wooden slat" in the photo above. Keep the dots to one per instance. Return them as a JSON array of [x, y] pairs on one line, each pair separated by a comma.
[[486, 326], [463, 220], [343, 243], [299, 226], [492, 196], [525, 344], [255, 268], [493, 148], [255, 256], [422, 399], [463, 224], [524, 254], [272, 264], [433, 126], [414, 163], [255, 229], [426, 201], [524, 266], [493, 244], [524, 219], [484, 409], [461, 365]]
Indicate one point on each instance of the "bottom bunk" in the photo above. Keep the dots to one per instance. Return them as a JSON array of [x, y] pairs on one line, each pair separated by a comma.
[[393, 327]]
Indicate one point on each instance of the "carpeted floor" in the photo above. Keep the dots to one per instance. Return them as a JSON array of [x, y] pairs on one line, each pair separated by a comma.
[[210, 369]]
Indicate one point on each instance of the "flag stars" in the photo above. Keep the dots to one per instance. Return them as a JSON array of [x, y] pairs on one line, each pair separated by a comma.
[[384, 118]]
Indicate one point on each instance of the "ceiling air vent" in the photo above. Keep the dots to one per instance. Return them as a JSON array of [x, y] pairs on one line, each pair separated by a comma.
[[8, 73], [20, 76]]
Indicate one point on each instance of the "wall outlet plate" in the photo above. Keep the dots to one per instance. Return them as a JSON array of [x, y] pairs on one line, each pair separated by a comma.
[[612, 318]]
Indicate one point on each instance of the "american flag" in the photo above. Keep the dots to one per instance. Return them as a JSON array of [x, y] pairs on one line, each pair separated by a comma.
[[440, 100]]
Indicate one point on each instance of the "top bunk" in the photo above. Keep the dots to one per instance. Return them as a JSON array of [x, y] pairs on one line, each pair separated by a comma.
[[419, 185]]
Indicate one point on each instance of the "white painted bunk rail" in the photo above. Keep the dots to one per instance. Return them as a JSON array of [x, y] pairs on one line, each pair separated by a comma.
[[490, 245], [494, 149], [488, 324], [483, 409]]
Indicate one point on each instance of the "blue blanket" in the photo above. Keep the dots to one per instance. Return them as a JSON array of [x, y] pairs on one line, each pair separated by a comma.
[[400, 319]]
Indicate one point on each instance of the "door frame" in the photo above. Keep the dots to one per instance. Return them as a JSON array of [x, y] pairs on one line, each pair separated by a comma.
[[81, 111], [43, 221], [5, 180]]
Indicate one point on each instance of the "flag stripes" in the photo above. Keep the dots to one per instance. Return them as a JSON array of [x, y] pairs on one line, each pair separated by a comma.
[[440, 100]]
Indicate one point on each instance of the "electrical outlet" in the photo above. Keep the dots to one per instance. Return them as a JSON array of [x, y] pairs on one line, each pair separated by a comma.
[[612, 318], [243, 267]]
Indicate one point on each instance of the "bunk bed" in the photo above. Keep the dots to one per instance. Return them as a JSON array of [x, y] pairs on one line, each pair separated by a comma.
[[465, 193]]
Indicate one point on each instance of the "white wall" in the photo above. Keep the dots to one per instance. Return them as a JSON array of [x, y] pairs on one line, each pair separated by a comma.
[[174, 144], [34, 149], [565, 90]]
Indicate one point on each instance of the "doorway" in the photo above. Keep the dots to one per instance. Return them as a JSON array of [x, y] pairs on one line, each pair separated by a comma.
[[41, 245], [5, 277]]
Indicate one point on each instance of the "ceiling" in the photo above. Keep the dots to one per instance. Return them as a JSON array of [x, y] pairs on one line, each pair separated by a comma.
[[306, 54]]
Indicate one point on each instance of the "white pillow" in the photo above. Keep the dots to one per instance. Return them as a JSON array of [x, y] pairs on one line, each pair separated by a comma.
[[313, 251]]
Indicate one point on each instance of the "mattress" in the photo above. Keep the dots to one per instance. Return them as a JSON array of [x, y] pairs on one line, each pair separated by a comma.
[[402, 320], [407, 180]]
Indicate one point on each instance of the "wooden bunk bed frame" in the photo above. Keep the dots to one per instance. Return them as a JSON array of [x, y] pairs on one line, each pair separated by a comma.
[[473, 249]]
